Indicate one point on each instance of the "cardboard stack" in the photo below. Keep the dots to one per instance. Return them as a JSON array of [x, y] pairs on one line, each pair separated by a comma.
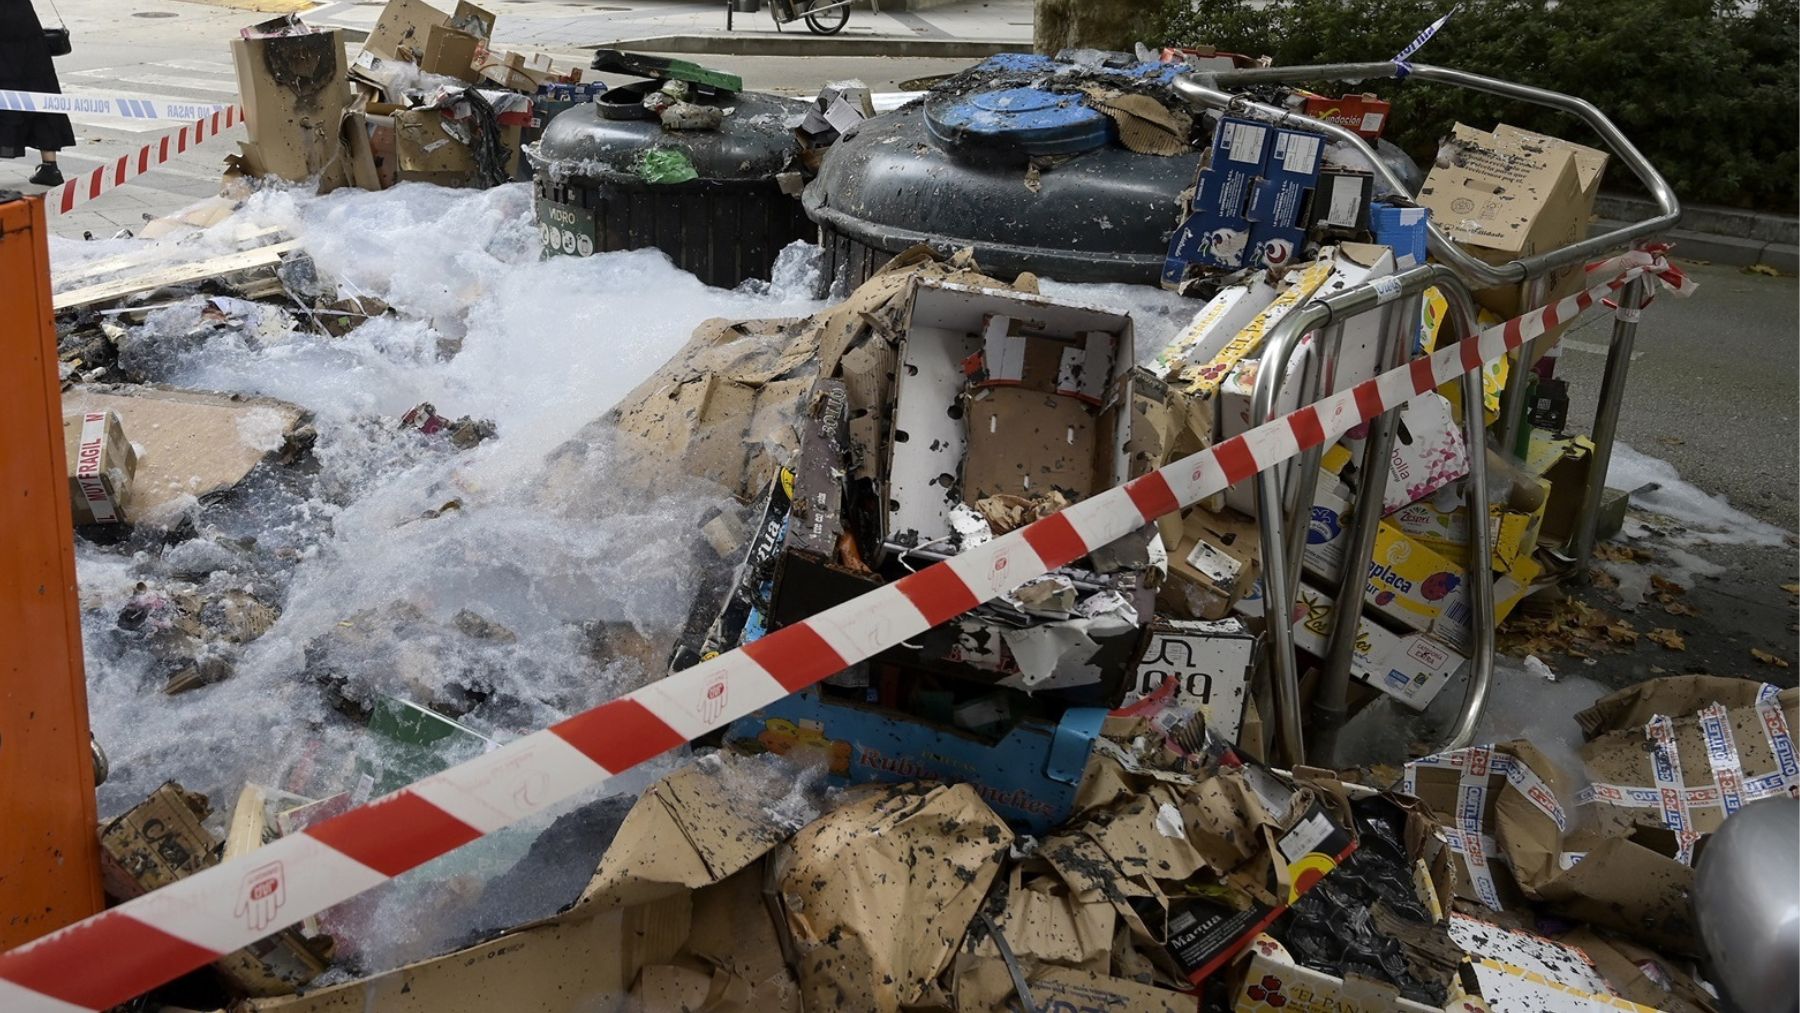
[[421, 101]]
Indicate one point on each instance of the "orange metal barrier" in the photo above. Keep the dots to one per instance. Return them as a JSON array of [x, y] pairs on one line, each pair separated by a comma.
[[49, 852]]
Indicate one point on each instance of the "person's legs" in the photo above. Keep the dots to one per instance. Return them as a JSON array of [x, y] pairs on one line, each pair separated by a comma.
[[47, 174]]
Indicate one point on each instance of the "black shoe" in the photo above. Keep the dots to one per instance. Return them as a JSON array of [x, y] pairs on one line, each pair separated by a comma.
[[48, 174]]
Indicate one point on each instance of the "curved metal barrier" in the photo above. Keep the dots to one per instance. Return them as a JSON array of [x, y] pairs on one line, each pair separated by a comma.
[[1284, 494]]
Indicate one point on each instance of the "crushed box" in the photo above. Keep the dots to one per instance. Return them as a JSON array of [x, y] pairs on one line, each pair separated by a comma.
[[101, 465], [1211, 663]]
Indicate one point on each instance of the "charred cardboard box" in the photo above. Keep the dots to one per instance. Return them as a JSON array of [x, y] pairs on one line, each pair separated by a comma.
[[1007, 406], [1522, 972], [1502, 813], [1508, 194], [295, 92], [1028, 768], [1215, 560], [163, 839], [101, 465]]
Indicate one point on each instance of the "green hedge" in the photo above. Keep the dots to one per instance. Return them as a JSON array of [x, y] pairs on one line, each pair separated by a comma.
[[1705, 88]]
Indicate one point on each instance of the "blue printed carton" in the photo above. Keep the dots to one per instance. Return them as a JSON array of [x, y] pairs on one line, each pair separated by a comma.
[[1029, 775], [1281, 197], [1216, 233]]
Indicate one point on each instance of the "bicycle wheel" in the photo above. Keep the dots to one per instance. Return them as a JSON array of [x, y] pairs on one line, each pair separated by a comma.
[[830, 21]]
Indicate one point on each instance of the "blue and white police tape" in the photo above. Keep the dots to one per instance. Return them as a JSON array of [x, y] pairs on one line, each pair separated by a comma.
[[129, 107]]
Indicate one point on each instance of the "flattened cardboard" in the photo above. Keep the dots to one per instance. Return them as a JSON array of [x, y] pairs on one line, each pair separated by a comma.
[[1024, 442], [101, 464], [691, 829], [1521, 972], [565, 965], [194, 443], [879, 892], [295, 92], [984, 985]]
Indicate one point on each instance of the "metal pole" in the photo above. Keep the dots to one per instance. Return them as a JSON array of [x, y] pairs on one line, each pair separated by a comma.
[[1481, 539], [1518, 369], [1331, 703], [1278, 589], [1606, 419]]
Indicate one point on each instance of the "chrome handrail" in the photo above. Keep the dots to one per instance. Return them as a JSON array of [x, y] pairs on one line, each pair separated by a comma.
[[1455, 275]]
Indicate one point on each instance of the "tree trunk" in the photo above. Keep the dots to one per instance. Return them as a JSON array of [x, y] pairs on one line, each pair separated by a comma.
[[1093, 24]]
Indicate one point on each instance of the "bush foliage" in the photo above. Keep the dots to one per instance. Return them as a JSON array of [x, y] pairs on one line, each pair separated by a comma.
[[1705, 88]]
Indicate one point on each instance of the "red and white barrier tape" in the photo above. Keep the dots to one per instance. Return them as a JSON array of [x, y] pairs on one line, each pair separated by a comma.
[[113, 956], [92, 184]]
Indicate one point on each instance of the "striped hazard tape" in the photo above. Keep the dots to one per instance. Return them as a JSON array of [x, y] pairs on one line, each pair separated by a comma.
[[92, 184], [142, 943], [128, 107]]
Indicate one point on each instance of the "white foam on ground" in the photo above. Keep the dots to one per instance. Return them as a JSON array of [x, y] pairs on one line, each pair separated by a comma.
[[1709, 516]]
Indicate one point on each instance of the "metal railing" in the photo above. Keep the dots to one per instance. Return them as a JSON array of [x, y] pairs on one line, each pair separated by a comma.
[[1285, 494]]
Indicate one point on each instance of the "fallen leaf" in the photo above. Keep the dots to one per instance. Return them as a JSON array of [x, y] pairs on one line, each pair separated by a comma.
[[1621, 632], [1665, 585], [1672, 441], [1668, 638], [1768, 659], [1791, 588], [1762, 269], [1680, 608], [1603, 580]]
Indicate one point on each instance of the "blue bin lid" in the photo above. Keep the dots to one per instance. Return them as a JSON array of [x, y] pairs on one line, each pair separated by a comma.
[[1033, 120]]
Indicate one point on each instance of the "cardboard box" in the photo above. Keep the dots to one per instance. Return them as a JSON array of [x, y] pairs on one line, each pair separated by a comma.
[[1341, 204], [1223, 316], [1029, 775], [1211, 663], [1682, 752], [1274, 981], [1281, 198], [295, 92], [1511, 194], [101, 465], [1216, 233], [954, 437], [404, 32], [1408, 582], [1410, 667], [1215, 562], [1402, 229], [1522, 972], [1429, 452], [427, 153], [1441, 523], [1501, 809], [163, 839], [1365, 114], [1201, 378]]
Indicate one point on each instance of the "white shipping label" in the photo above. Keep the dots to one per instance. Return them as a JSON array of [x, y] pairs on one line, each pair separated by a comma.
[[1246, 143], [1346, 201], [1305, 837], [1371, 123], [1302, 153]]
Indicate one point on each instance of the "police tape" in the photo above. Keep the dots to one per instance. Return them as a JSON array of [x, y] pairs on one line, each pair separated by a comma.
[[113, 956], [130, 107], [95, 182]]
